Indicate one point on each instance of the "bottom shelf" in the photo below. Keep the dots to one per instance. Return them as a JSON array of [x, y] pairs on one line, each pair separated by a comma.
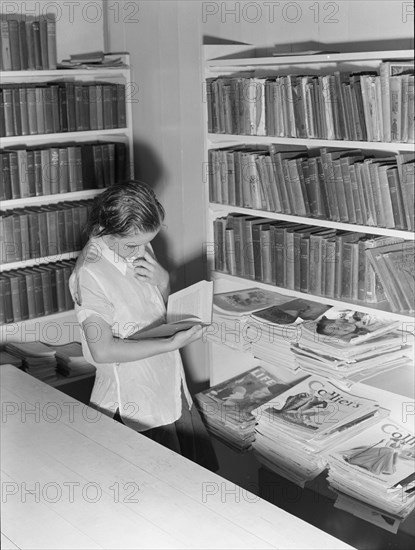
[[225, 282]]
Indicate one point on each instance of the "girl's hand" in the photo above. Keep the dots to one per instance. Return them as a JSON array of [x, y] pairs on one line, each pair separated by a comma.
[[185, 337], [148, 269]]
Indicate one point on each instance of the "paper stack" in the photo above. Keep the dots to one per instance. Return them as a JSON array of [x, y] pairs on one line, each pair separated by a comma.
[[70, 360], [226, 408], [351, 346], [374, 473], [38, 359], [9, 359], [294, 430], [231, 313], [272, 330]]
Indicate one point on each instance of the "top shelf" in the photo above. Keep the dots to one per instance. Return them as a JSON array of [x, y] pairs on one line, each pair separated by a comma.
[[21, 75], [292, 59]]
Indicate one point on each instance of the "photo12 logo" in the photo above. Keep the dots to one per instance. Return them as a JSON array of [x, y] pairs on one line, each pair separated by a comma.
[[73, 11], [271, 12]]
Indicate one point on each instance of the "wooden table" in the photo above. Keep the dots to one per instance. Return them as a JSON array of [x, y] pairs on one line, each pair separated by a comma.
[[72, 478]]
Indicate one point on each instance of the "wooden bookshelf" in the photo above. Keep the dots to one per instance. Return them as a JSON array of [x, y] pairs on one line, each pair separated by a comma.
[[65, 321], [231, 61]]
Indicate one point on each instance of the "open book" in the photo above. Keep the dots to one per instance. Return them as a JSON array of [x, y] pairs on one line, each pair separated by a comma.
[[185, 308]]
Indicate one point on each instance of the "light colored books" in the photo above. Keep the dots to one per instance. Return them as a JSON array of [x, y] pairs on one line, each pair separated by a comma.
[[185, 308]]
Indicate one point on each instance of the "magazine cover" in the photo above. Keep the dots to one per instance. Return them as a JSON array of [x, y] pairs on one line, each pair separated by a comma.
[[345, 328], [242, 393], [243, 302], [290, 312], [317, 405], [384, 452]]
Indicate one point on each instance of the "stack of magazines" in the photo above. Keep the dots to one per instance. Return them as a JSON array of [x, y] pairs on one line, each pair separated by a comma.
[[373, 474], [37, 358], [226, 408], [351, 346], [231, 311], [9, 359], [295, 430], [70, 360], [272, 330]]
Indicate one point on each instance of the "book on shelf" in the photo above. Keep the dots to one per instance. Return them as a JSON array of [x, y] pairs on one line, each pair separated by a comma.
[[185, 309], [338, 185], [394, 265], [41, 231], [28, 42], [372, 105], [62, 106]]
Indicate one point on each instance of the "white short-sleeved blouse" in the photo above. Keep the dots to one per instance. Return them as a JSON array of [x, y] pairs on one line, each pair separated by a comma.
[[148, 391]]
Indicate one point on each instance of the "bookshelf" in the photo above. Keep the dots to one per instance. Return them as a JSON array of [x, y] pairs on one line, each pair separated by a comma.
[[61, 327], [239, 64], [234, 62]]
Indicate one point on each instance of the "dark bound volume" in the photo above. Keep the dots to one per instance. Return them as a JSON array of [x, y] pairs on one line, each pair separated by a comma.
[[37, 45], [24, 54], [14, 44]]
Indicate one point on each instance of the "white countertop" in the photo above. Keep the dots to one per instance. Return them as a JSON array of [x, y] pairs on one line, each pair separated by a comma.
[[72, 478]]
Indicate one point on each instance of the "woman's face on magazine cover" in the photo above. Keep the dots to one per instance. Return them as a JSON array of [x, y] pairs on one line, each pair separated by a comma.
[[337, 327]]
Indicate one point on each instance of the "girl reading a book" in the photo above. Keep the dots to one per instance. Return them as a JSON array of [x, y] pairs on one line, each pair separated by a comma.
[[119, 287]]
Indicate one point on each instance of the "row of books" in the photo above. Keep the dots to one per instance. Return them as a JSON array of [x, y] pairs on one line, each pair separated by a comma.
[[48, 170], [310, 259], [27, 42], [364, 106], [41, 231], [339, 185], [54, 107], [36, 291]]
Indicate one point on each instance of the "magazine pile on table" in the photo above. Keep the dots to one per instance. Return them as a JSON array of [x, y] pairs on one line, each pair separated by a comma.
[[272, 330], [37, 358], [373, 473], [226, 408], [9, 359], [349, 345], [231, 311], [70, 360], [295, 430]]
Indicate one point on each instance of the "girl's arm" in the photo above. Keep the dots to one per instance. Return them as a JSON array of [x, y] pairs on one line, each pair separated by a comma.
[[106, 348]]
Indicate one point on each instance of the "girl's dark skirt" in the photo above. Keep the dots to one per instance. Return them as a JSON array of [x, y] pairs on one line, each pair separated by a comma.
[[187, 436]]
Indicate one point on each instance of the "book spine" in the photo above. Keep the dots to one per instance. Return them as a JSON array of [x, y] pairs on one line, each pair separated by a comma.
[[44, 43], [23, 46], [51, 43], [37, 45], [5, 46], [14, 44]]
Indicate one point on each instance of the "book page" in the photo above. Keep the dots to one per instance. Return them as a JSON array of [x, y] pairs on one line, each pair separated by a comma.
[[194, 302]]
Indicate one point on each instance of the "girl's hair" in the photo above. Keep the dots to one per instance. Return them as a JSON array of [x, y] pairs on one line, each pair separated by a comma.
[[125, 208]]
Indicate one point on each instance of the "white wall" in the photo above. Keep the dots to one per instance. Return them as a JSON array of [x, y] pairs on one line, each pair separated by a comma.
[[79, 23], [165, 38]]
